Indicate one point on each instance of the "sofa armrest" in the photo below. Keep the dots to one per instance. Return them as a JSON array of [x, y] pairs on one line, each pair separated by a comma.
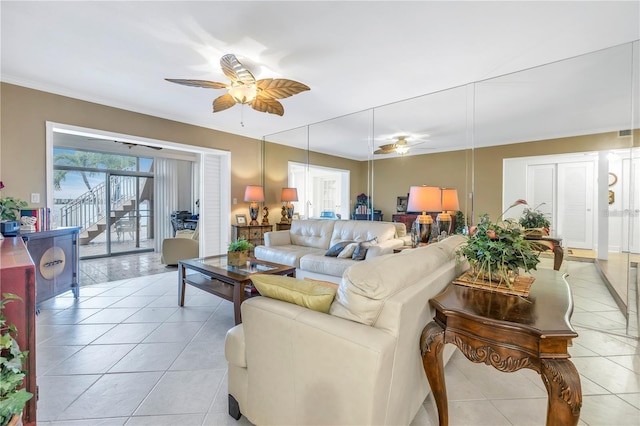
[[385, 247], [176, 249], [277, 238], [308, 355]]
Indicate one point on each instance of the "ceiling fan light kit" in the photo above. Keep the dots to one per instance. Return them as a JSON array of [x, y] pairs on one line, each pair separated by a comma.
[[261, 95]]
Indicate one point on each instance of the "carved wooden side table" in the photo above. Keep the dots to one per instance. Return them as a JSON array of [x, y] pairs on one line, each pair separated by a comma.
[[508, 333]]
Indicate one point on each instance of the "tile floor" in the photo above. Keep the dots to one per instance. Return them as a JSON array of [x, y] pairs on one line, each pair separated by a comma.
[[125, 353]]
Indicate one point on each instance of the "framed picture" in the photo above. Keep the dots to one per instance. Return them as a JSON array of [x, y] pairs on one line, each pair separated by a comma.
[[241, 219], [296, 216], [401, 204]]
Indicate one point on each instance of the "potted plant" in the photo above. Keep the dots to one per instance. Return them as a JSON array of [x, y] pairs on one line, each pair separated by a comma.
[[10, 206], [535, 222], [12, 396], [497, 251], [238, 252]]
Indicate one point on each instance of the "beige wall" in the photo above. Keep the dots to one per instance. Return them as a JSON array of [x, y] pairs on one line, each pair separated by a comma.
[[22, 154], [394, 176], [24, 112]]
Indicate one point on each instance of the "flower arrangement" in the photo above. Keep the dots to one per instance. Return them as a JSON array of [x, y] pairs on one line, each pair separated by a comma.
[[10, 206], [496, 251], [534, 218]]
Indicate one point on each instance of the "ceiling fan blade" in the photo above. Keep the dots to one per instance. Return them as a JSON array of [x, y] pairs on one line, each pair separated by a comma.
[[278, 88], [382, 151], [233, 69], [267, 105], [199, 83], [223, 102]]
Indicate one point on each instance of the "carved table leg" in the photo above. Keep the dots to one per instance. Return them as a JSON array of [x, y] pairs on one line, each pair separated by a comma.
[[562, 381], [431, 346]]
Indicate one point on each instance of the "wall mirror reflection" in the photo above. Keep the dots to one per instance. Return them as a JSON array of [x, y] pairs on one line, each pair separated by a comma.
[[552, 135]]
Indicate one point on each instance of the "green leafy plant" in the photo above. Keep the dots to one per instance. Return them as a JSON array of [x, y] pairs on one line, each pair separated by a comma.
[[10, 206], [534, 218], [12, 399], [460, 223], [498, 250], [239, 245]]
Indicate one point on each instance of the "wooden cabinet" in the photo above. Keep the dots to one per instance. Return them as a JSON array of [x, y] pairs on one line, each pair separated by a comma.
[[55, 254], [253, 234], [283, 226], [17, 276], [405, 218]]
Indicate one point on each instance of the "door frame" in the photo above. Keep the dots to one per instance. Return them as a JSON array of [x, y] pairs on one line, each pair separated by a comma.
[[225, 174]]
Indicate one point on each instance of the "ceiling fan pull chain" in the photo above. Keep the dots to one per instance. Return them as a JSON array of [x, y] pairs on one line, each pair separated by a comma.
[[242, 115]]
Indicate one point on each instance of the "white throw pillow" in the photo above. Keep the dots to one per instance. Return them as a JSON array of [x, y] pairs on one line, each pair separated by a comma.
[[348, 251]]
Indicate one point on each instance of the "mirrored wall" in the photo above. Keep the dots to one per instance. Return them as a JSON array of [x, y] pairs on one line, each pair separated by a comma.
[[563, 136]]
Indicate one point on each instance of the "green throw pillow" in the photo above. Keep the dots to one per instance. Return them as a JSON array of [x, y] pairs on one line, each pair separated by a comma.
[[300, 292]]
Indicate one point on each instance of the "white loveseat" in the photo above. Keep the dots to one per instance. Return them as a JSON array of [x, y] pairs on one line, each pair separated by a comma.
[[305, 244], [359, 364]]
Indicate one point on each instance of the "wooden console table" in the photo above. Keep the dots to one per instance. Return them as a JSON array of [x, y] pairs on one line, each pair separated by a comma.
[[508, 333]]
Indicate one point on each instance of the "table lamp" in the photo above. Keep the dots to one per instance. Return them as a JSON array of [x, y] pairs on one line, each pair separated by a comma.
[[254, 194], [424, 199], [287, 196], [449, 204]]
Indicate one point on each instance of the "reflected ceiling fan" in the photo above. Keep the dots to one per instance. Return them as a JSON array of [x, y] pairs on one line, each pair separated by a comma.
[[127, 144], [245, 89], [401, 146]]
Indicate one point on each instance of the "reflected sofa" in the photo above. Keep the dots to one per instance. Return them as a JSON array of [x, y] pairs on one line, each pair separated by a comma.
[[358, 364], [306, 243]]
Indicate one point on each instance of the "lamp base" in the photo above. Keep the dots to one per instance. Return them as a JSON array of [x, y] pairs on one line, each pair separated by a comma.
[[253, 213], [421, 230]]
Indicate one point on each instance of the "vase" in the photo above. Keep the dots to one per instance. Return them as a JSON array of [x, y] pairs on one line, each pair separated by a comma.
[[237, 258]]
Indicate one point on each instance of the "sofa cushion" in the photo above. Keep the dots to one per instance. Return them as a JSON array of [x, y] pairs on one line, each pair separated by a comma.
[[366, 285], [313, 233], [337, 248], [311, 295], [362, 230], [321, 264], [361, 250], [285, 255]]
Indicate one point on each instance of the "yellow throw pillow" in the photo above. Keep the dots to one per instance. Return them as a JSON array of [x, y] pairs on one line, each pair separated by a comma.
[[300, 292], [324, 283]]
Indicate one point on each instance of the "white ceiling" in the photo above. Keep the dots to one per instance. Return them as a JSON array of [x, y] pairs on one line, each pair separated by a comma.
[[353, 56]]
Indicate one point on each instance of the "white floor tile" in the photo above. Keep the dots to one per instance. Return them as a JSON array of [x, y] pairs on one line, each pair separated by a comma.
[[179, 374]]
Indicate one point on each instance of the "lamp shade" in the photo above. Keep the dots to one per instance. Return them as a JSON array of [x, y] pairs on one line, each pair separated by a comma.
[[254, 193], [424, 199], [450, 199], [289, 194]]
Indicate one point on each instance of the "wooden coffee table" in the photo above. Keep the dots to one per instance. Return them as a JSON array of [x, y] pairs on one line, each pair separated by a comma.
[[213, 275]]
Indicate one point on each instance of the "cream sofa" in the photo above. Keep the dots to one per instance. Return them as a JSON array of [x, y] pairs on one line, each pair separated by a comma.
[[360, 364], [305, 244]]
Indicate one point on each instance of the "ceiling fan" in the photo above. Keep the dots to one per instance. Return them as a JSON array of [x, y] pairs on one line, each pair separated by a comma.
[[399, 147], [127, 144], [245, 89], [131, 145]]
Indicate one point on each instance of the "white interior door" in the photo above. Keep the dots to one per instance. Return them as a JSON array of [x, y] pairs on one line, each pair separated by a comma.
[[541, 190], [576, 204]]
